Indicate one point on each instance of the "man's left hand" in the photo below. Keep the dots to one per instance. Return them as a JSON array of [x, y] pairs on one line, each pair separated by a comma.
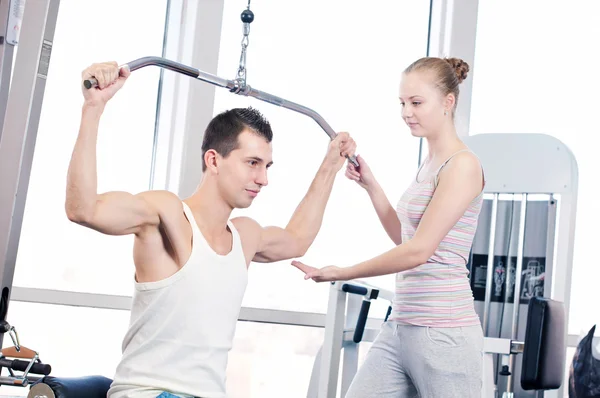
[[341, 146]]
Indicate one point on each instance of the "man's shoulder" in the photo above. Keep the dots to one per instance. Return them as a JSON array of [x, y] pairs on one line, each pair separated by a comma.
[[167, 204], [246, 224], [248, 228], [160, 198], [250, 233]]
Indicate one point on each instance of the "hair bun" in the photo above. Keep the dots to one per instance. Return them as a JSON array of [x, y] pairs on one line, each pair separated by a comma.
[[461, 68]]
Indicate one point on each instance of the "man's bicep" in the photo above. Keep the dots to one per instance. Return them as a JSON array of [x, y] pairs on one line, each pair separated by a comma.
[[276, 244]]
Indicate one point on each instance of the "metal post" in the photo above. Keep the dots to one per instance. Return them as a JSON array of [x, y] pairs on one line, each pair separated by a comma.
[[332, 343], [19, 131], [490, 267], [563, 256], [550, 246], [9, 20], [517, 288], [350, 361]]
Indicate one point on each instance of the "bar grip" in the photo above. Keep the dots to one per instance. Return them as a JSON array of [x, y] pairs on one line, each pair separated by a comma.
[[353, 160], [354, 289], [148, 61], [21, 366], [89, 83], [362, 321]]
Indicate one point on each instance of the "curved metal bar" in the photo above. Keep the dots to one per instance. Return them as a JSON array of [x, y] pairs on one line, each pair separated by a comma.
[[163, 63], [294, 107], [232, 85]]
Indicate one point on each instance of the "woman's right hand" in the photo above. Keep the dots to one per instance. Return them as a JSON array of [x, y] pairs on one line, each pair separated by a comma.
[[362, 175]]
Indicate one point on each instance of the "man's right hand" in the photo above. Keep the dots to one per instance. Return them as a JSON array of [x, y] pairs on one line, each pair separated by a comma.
[[110, 79], [362, 175]]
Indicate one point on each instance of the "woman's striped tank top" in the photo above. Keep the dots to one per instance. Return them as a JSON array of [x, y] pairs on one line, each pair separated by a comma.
[[437, 293]]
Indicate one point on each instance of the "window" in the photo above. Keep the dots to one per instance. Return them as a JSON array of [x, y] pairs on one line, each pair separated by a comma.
[[532, 78], [55, 253], [269, 360], [344, 62], [259, 350]]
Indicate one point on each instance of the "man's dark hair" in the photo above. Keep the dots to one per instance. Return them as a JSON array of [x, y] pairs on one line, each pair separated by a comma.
[[223, 130]]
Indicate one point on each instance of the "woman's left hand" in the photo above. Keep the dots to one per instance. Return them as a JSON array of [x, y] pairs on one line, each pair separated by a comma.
[[325, 274]]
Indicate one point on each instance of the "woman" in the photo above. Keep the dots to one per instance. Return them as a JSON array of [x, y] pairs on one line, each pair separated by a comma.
[[431, 346]]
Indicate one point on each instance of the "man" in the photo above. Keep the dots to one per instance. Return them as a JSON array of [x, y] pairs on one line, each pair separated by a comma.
[[190, 259]]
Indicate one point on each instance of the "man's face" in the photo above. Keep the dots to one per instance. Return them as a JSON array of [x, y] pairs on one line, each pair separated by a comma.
[[243, 173]]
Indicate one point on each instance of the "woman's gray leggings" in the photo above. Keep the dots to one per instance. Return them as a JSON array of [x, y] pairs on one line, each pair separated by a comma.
[[419, 361]]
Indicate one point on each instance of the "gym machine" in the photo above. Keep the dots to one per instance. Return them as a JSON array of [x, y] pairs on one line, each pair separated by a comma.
[[34, 32], [542, 349], [527, 223], [23, 359], [520, 164], [31, 24]]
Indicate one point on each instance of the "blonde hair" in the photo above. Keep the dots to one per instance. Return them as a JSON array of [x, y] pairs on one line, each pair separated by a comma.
[[448, 72]]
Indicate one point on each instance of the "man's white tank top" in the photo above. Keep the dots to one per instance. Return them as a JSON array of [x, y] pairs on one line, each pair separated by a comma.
[[181, 328]]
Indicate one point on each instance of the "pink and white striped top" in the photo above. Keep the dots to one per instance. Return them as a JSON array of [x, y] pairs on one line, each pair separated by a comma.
[[437, 293]]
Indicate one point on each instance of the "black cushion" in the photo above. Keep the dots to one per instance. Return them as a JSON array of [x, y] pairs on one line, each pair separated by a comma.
[[545, 345], [78, 387]]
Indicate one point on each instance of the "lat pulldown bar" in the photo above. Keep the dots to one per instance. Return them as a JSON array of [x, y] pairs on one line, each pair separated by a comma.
[[235, 86]]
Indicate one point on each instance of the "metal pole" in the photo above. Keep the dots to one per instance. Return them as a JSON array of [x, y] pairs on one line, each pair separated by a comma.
[[490, 267], [517, 288], [332, 343], [550, 247], [19, 131], [350, 362], [7, 48]]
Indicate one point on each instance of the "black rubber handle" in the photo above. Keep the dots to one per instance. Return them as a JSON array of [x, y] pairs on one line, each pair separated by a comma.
[[362, 321], [354, 289], [17, 364], [4, 327], [388, 313]]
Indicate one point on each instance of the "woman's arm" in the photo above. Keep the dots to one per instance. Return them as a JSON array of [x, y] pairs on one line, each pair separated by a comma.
[[460, 182], [386, 213]]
